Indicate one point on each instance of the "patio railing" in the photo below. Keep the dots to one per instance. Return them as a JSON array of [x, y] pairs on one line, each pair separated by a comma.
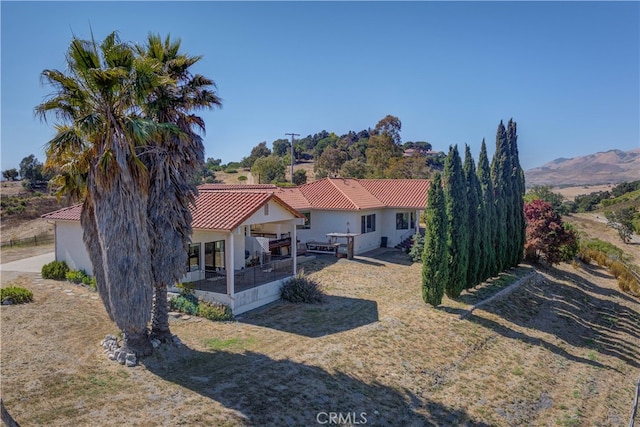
[[249, 277]]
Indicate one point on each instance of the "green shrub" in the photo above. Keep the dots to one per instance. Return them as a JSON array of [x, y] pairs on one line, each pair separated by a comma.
[[16, 295], [15, 210], [214, 311], [81, 276], [185, 303], [56, 270], [76, 276], [231, 170], [301, 289], [607, 248], [186, 288], [90, 282], [417, 247]]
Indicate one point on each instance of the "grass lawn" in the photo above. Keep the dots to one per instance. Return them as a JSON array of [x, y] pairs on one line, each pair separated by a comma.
[[562, 349]]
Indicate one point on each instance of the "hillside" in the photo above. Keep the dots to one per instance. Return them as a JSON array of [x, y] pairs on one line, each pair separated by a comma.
[[20, 212], [613, 166]]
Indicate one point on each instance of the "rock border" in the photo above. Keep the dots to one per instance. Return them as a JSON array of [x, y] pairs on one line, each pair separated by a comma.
[[114, 352]]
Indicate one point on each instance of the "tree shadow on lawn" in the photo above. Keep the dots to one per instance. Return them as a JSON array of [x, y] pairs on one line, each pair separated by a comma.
[[597, 271], [268, 392], [576, 317], [336, 314]]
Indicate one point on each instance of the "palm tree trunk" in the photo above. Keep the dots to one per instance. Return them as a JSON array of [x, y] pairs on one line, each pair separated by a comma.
[[160, 314], [170, 227], [120, 214], [90, 236], [137, 343]]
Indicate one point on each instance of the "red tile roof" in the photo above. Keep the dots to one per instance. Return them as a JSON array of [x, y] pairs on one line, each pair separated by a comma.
[[399, 193], [357, 194], [226, 210], [214, 210], [72, 213], [224, 207], [293, 197]]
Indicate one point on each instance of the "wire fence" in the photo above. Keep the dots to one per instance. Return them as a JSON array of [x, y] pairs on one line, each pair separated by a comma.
[[29, 241]]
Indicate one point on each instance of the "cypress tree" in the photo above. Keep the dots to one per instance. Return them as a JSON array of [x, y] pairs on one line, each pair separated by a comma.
[[511, 252], [517, 198], [475, 232], [435, 255], [487, 217], [500, 177], [457, 207]]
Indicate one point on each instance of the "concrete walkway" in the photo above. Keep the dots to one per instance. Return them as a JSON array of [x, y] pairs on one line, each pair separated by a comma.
[[29, 265]]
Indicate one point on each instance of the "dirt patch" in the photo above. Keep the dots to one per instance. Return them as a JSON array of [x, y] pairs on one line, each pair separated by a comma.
[[8, 254], [570, 193], [557, 351]]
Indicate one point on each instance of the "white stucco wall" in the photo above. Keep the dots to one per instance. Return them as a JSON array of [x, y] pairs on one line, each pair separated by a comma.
[[324, 222], [369, 241], [389, 225], [70, 247], [275, 213]]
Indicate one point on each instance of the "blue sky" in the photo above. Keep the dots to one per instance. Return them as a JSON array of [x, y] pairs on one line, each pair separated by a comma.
[[567, 72]]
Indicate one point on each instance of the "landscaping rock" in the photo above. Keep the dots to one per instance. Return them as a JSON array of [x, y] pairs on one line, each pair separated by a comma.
[[131, 360]]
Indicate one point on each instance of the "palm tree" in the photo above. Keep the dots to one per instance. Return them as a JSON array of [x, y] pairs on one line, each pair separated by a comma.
[[95, 150], [173, 161]]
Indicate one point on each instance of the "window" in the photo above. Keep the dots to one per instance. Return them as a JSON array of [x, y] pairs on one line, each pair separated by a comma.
[[307, 221], [413, 220], [266, 209], [193, 263], [402, 221], [214, 255], [368, 223]]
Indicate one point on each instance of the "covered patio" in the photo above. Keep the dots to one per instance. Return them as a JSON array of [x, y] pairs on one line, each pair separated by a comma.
[[248, 277], [243, 247]]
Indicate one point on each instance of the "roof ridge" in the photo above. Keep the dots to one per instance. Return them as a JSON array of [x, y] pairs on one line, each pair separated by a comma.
[[343, 193], [363, 188]]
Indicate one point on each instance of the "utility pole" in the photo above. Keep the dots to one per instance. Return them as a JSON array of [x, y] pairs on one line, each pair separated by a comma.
[[292, 136]]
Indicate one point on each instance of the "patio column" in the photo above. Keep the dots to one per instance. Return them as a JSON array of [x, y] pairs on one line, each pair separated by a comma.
[[294, 246], [229, 262]]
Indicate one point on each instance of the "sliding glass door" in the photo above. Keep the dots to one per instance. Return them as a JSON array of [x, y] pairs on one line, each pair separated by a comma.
[[214, 256]]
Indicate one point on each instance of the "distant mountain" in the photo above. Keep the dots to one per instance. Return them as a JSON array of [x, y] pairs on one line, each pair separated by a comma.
[[609, 167]]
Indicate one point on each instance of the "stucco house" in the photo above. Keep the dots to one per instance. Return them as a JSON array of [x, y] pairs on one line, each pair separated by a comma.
[[380, 212], [240, 252], [246, 237]]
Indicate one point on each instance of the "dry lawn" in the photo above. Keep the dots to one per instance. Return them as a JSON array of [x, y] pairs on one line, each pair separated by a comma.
[[560, 350]]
